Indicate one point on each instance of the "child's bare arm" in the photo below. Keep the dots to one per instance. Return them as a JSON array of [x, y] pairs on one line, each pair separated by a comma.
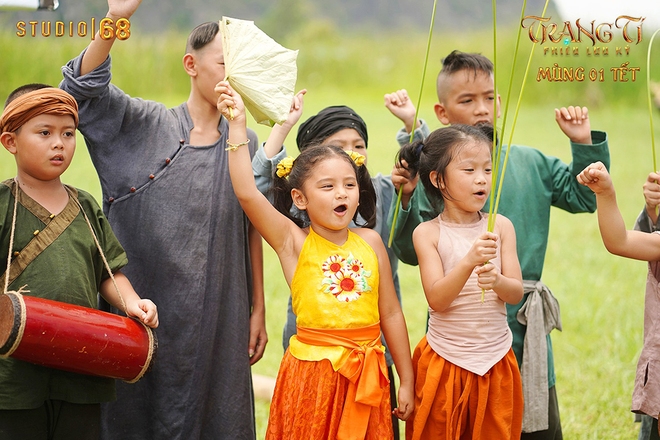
[[279, 133], [143, 309], [616, 238], [258, 335], [99, 49], [574, 122], [273, 226], [393, 325]]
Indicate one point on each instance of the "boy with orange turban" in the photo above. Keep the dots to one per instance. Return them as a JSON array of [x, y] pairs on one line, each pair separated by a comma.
[[45, 227]]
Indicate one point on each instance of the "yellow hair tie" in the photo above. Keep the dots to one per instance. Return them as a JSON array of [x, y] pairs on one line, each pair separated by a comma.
[[284, 167], [357, 157]]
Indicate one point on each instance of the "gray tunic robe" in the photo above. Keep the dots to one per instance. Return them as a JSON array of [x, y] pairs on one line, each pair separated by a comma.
[[172, 207]]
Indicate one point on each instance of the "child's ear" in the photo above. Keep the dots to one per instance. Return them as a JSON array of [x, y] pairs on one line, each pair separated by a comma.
[[436, 180], [299, 199], [441, 113], [189, 64], [8, 140]]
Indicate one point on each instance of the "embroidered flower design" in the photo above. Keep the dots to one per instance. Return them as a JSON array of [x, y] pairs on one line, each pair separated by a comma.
[[345, 278], [284, 167], [332, 265]]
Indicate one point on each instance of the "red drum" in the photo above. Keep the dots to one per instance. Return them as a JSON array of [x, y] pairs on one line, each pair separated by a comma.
[[74, 338]]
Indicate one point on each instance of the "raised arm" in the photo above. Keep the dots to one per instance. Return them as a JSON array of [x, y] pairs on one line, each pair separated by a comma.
[[587, 146], [400, 105], [271, 224], [99, 49], [617, 240], [279, 133]]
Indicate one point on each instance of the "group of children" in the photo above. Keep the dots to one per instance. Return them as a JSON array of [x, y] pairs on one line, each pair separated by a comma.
[[484, 369]]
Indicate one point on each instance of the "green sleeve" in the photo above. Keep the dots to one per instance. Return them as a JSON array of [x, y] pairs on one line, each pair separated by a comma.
[[419, 210], [568, 194]]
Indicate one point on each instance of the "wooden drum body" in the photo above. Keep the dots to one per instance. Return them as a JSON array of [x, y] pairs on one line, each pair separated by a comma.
[[74, 338]]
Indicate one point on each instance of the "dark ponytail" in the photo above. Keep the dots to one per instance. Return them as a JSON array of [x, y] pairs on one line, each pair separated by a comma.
[[436, 152]]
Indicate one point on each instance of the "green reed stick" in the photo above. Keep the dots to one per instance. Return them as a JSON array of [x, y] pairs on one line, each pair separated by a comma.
[[412, 132], [520, 95], [496, 149]]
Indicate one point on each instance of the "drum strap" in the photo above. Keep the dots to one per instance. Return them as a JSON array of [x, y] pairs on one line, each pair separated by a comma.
[[42, 239]]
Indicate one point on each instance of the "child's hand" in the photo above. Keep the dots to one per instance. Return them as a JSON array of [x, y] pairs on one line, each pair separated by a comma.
[[229, 102], [296, 110], [574, 122], [487, 276], [483, 249], [596, 177], [401, 176], [652, 192], [145, 311], [406, 405], [122, 8], [400, 105]]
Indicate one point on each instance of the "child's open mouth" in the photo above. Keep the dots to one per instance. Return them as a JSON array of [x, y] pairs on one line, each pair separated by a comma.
[[341, 208]]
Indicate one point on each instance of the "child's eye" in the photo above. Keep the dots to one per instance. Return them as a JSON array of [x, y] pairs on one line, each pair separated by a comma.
[[69, 134], [44, 132]]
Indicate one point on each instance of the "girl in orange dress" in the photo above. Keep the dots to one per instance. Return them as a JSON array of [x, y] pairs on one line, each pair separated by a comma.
[[467, 382], [332, 382]]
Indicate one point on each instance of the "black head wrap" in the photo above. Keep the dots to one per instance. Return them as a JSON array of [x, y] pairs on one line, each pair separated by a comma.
[[327, 122]]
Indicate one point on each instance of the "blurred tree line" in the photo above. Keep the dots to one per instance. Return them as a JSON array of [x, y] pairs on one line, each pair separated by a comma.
[[281, 18]]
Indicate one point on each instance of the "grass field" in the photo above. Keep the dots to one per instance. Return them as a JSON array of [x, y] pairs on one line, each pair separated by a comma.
[[601, 295]]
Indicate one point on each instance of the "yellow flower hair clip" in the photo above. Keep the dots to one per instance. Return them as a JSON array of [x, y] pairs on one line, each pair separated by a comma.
[[357, 157], [284, 167]]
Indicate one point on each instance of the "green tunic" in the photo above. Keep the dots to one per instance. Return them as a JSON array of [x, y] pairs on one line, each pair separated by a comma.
[[533, 183], [69, 270]]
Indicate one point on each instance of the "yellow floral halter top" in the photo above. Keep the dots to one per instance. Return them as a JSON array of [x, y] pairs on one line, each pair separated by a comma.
[[333, 287]]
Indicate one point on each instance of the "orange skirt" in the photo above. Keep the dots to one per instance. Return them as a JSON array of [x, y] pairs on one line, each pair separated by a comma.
[[308, 402], [455, 404]]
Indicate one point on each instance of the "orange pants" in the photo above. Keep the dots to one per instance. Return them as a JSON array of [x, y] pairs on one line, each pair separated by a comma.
[[455, 404]]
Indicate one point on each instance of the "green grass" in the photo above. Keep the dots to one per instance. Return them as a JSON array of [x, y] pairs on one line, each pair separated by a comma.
[[601, 295]]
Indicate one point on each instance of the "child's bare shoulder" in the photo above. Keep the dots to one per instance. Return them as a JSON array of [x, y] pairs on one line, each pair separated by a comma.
[[368, 235], [503, 225], [428, 230]]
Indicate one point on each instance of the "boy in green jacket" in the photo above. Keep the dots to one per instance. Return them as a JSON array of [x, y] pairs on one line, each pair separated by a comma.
[[533, 183]]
